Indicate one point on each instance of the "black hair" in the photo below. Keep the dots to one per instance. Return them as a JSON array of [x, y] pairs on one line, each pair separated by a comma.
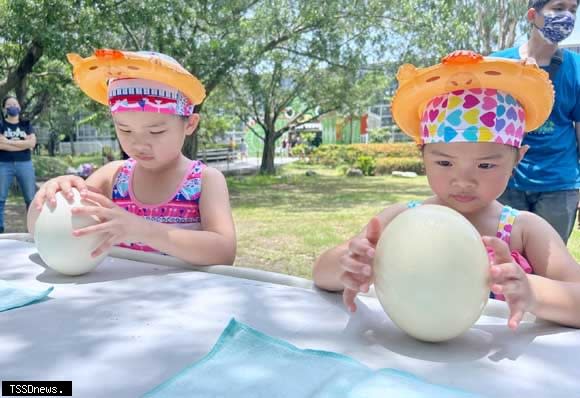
[[3, 118], [539, 4], [6, 99], [3, 105]]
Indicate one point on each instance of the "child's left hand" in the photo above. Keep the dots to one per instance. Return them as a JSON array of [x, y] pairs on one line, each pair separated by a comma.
[[509, 279], [116, 224]]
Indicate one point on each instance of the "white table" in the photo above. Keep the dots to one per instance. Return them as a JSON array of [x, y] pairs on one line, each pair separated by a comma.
[[129, 325]]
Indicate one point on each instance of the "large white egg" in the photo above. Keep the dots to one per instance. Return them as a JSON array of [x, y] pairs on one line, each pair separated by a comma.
[[431, 273], [56, 245]]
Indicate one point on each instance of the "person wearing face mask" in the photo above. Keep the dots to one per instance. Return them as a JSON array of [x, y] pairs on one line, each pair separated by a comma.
[[17, 139], [546, 181]]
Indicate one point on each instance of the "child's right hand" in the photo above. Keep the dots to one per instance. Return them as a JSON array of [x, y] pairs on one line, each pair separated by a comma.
[[357, 264], [48, 190]]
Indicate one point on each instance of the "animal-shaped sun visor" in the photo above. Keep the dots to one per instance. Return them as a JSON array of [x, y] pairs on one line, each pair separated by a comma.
[[466, 70], [93, 73]]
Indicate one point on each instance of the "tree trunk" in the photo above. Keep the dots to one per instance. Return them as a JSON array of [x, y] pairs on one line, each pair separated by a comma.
[[267, 166], [73, 151], [17, 75]]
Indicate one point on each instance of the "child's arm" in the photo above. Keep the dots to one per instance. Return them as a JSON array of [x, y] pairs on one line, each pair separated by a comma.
[[348, 266], [100, 181], [214, 244], [556, 283]]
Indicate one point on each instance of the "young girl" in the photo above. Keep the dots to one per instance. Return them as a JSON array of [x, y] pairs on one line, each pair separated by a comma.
[[157, 200], [465, 115]]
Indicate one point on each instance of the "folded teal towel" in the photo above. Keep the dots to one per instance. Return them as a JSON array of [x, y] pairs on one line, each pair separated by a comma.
[[247, 363], [13, 296]]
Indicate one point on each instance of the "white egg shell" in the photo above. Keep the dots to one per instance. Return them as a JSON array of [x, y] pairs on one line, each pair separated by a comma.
[[56, 245], [431, 273]]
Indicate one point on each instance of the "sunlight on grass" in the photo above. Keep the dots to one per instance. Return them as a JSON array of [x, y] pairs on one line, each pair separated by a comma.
[[284, 222]]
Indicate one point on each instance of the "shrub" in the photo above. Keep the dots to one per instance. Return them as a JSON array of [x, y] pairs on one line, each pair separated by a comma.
[[367, 164], [387, 165], [48, 167], [335, 155]]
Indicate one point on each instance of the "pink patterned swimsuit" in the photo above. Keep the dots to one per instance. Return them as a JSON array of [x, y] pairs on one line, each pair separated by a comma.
[[504, 232], [182, 210]]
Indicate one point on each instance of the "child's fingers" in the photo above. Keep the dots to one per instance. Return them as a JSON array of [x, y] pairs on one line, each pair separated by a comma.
[[374, 231], [510, 289], [51, 188], [515, 319], [103, 247], [102, 227], [348, 297], [352, 281], [39, 199], [501, 250], [98, 198], [349, 264], [98, 211], [66, 189], [361, 247], [502, 273]]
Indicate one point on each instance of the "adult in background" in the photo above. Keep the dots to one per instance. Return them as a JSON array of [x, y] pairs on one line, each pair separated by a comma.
[[546, 181], [17, 140]]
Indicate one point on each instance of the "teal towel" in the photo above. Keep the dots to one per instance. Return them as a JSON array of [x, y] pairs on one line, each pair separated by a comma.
[[13, 296], [248, 363]]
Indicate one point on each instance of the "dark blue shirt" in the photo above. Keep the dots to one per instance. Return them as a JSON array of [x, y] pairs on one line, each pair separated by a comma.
[[15, 132]]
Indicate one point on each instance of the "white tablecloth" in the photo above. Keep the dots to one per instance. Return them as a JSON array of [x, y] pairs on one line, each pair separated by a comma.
[[128, 326]]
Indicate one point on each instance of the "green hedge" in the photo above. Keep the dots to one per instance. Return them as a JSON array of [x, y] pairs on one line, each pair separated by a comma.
[[388, 157], [386, 166], [47, 167]]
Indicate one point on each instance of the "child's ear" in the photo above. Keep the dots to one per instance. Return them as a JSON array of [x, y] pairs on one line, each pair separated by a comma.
[[521, 152], [192, 123]]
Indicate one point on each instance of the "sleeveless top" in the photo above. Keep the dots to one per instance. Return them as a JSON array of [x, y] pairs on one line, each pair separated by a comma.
[[181, 210], [504, 231]]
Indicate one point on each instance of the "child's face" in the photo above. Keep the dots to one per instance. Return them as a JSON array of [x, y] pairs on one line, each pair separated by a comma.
[[153, 139], [469, 176], [561, 5]]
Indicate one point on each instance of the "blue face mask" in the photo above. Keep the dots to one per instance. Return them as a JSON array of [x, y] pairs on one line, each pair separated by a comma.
[[557, 26], [12, 111]]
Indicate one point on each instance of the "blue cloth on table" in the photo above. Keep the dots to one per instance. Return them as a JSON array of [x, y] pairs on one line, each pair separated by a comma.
[[14, 296], [248, 363]]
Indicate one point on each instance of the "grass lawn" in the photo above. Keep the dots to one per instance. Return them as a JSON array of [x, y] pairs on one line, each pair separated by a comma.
[[285, 221]]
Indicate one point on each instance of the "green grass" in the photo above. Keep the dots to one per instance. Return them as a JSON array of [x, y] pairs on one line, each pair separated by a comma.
[[284, 222], [75, 161], [574, 244]]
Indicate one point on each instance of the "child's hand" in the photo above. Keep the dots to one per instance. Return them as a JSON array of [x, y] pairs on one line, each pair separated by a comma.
[[357, 264], [509, 279], [116, 224], [48, 190]]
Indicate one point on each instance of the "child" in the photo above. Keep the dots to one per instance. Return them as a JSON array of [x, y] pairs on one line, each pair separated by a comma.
[[465, 115], [157, 200]]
